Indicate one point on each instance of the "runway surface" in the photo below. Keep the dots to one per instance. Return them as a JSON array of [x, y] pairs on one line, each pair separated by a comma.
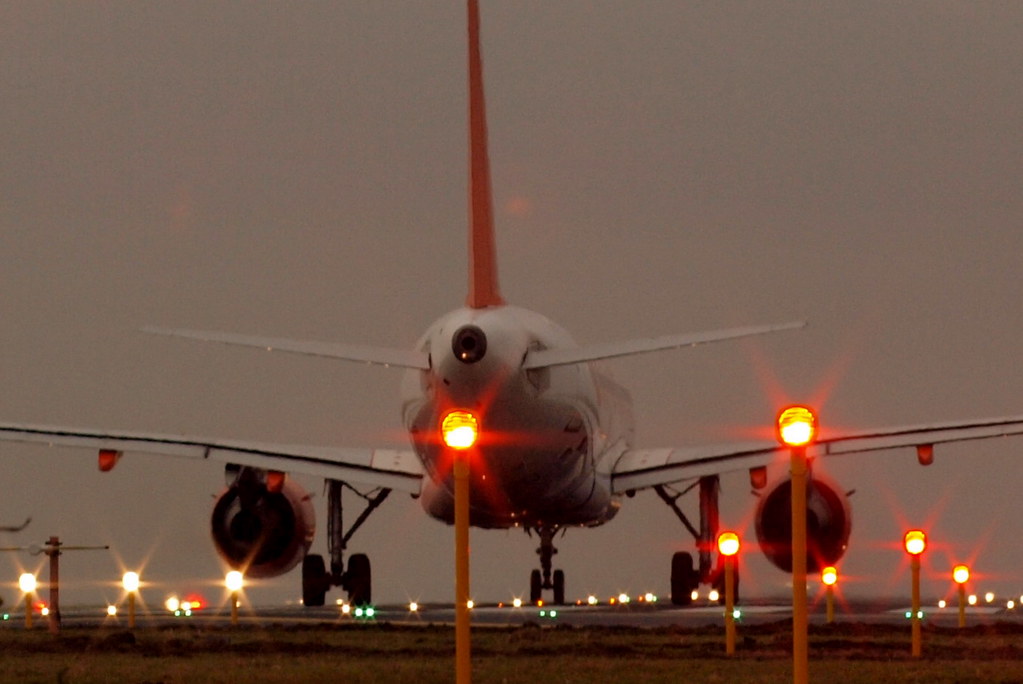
[[633, 615]]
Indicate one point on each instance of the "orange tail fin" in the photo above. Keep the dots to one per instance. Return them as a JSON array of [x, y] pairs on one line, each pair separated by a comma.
[[483, 289]]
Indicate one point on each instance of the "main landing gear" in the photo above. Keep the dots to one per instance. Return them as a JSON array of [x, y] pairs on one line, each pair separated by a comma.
[[357, 580], [544, 578], [686, 577]]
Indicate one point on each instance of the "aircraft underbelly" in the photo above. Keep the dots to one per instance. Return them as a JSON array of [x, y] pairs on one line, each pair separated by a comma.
[[534, 466]]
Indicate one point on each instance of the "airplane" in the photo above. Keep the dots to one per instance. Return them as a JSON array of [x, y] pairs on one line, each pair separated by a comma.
[[554, 447]]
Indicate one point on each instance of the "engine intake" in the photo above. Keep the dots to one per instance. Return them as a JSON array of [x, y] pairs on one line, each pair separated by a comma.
[[828, 524], [263, 533]]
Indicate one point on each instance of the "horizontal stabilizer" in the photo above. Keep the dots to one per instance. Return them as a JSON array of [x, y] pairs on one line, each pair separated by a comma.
[[381, 356], [544, 358]]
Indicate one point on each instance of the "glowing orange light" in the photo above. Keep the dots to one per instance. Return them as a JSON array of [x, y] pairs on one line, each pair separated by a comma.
[[234, 581], [459, 429], [961, 574], [915, 542], [829, 576], [27, 583], [130, 581], [196, 601], [728, 543], [797, 426]]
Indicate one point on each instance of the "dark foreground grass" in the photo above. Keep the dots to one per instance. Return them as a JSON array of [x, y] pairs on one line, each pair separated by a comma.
[[530, 654]]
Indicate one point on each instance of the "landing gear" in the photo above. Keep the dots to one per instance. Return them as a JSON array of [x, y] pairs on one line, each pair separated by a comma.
[[559, 587], [544, 578], [315, 581], [686, 577], [357, 581]]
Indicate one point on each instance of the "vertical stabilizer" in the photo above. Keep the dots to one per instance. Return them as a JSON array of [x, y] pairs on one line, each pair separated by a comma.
[[483, 290]]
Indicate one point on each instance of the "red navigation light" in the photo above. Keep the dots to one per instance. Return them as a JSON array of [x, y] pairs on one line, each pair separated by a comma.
[[961, 574]]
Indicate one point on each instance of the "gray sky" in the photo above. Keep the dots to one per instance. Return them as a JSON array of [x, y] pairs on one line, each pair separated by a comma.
[[299, 169]]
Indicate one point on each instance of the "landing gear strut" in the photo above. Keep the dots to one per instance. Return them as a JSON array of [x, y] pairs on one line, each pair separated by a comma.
[[545, 578], [316, 580], [685, 577]]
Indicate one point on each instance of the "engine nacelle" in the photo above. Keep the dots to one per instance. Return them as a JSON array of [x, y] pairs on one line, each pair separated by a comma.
[[261, 532], [828, 524]]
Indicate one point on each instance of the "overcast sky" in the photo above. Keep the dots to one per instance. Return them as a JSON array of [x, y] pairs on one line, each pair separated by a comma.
[[299, 170]]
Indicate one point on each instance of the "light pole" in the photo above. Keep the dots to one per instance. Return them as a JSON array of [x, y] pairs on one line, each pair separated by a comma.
[[796, 429], [829, 577], [27, 583], [130, 582], [234, 581], [961, 575], [915, 542], [460, 429], [728, 546]]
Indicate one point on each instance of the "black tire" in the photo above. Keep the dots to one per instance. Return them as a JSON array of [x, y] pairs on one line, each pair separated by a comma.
[[535, 587], [559, 588], [683, 578], [358, 580], [315, 581]]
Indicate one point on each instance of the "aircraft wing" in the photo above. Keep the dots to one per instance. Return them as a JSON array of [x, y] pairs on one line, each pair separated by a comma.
[[392, 469], [640, 468]]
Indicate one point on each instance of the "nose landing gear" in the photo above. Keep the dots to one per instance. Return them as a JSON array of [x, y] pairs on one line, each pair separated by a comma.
[[542, 579]]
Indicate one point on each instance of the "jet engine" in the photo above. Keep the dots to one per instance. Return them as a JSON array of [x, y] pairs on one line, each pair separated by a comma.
[[263, 530], [828, 523]]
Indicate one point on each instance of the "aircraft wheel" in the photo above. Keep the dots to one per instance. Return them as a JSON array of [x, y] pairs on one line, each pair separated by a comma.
[[358, 580], [683, 578], [535, 587], [559, 587], [315, 580]]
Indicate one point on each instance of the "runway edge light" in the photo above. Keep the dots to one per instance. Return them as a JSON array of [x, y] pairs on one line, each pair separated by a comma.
[[460, 429], [915, 542], [797, 426]]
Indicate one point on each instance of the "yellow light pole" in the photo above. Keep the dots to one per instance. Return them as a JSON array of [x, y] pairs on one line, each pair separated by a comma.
[[915, 542], [796, 429], [234, 581], [728, 546], [829, 577], [460, 430], [961, 575], [27, 583], [130, 582]]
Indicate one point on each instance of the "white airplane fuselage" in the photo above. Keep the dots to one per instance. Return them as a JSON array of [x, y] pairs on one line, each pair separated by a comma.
[[548, 436]]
